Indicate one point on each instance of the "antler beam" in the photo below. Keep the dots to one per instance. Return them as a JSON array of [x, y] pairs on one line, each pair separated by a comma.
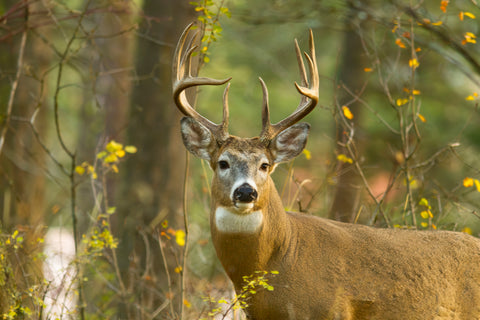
[[308, 100], [183, 79]]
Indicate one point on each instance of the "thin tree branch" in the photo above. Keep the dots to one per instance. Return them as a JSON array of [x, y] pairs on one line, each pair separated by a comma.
[[13, 90]]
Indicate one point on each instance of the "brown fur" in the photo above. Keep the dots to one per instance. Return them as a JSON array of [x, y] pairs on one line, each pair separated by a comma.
[[333, 270]]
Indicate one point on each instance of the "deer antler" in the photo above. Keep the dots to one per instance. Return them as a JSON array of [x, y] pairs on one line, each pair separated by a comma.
[[183, 79], [308, 91]]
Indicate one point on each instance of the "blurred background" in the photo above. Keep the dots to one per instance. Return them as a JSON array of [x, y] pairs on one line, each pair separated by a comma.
[[96, 185]]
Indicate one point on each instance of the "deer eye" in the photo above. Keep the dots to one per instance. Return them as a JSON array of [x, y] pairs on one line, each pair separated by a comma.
[[222, 164], [265, 166]]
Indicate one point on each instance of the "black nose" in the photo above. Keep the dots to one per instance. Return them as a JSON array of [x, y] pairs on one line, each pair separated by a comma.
[[245, 193]]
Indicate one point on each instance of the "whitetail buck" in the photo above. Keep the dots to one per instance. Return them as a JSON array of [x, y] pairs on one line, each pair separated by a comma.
[[327, 269]]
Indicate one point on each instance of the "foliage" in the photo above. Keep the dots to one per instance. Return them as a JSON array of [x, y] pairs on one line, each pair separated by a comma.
[[211, 11], [252, 284], [23, 290], [415, 131]]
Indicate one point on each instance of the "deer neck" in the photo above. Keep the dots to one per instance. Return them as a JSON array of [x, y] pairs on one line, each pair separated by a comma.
[[245, 243]]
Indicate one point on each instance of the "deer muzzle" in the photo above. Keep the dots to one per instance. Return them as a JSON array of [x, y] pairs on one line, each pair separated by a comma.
[[245, 193]]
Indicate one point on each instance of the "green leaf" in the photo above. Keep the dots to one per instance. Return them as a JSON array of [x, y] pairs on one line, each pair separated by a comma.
[[130, 149], [423, 202], [110, 158], [101, 154]]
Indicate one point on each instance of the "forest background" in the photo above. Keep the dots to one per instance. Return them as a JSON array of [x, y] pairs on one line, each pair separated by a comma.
[[90, 142]]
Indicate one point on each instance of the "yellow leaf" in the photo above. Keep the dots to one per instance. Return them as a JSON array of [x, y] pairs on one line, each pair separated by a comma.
[[115, 168], [80, 170], [131, 149], [307, 154], [470, 34], [178, 269], [470, 15], [467, 230], [413, 183], [443, 5], [344, 158], [413, 63], [468, 182], [401, 102], [424, 214], [180, 237], [400, 43], [113, 146], [347, 113], [413, 92], [477, 184], [424, 202], [422, 118], [110, 158], [438, 23], [424, 224], [368, 69], [120, 153], [469, 38], [470, 98], [187, 303]]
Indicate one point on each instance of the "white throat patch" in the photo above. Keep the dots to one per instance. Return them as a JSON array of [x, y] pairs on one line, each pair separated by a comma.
[[231, 222]]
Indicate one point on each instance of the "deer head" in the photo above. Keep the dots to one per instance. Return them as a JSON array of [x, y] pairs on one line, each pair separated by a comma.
[[242, 165]]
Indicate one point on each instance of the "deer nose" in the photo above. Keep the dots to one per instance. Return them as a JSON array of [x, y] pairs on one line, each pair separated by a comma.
[[245, 193]]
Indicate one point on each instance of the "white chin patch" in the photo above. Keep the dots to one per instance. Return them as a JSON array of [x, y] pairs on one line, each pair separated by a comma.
[[244, 207], [231, 220]]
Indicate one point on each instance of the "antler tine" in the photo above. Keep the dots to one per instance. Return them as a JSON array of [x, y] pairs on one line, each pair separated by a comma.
[[225, 110], [266, 126], [308, 91], [182, 80]]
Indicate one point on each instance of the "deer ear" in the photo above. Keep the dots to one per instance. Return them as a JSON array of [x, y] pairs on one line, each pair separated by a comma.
[[197, 138], [290, 142]]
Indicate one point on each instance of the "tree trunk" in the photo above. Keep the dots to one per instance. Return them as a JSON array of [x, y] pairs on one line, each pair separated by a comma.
[[348, 187], [153, 180], [22, 160]]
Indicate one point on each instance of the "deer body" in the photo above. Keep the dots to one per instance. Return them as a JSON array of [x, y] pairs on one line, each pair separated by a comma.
[[326, 269], [334, 270]]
